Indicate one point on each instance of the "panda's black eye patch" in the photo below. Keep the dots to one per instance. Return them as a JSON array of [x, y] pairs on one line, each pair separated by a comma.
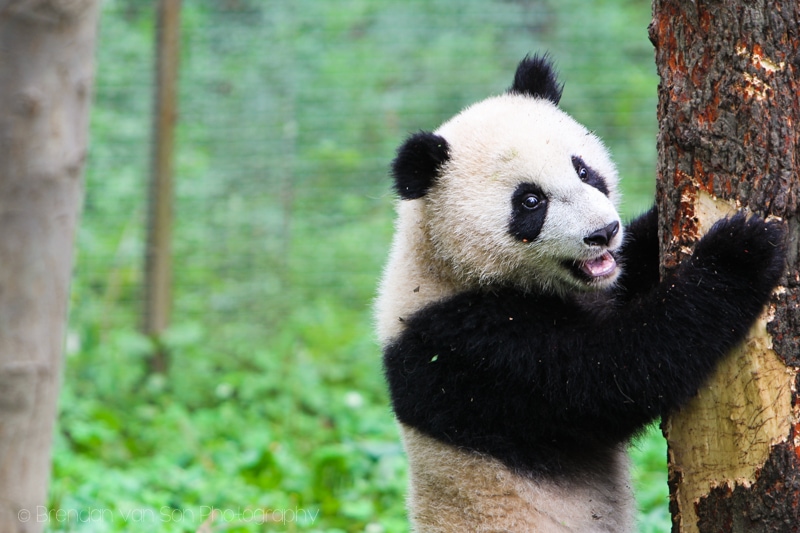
[[589, 176], [528, 212]]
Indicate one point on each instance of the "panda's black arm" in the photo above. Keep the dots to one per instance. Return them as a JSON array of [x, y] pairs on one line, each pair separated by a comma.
[[506, 372], [639, 256]]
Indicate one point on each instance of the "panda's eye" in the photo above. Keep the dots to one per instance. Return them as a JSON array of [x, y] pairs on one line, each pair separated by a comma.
[[530, 201], [589, 176]]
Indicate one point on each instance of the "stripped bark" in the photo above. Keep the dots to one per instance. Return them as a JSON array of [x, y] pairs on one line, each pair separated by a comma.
[[729, 139]]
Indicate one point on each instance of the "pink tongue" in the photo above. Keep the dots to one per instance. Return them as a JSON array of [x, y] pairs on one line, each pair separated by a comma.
[[599, 267]]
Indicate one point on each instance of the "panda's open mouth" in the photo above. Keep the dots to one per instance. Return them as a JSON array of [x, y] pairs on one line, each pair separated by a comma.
[[598, 268]]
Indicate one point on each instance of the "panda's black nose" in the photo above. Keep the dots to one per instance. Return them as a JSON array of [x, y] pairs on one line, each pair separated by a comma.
[[602, 236]]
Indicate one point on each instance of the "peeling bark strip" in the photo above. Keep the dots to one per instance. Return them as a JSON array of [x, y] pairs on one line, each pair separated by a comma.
[[729, 138], [46, 74]]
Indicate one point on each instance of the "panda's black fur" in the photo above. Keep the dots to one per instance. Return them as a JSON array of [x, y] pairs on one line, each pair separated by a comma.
[[551, 383], [537, 382], [535, 77], [417, 164]]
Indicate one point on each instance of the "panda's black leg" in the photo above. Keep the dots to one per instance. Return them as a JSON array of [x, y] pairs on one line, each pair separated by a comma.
[[524, 376], [639, 256], [674, 335]]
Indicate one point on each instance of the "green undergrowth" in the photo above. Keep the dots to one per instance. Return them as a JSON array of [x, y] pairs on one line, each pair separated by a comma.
[[273, 414]]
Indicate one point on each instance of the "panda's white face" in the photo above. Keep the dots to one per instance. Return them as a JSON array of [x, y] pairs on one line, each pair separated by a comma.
[[526, 196]]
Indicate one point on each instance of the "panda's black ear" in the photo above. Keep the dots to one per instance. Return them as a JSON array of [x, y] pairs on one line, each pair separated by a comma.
[[537, 77], [418, 163]]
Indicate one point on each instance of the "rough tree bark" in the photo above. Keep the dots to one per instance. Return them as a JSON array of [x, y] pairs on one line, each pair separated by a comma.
[[46, 74], [729, 118]]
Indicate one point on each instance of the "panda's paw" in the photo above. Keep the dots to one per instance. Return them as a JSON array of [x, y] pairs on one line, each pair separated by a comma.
[[747, 248]]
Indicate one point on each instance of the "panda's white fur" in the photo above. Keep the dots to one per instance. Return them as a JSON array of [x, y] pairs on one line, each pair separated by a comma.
[[494, 145], [454, 491], [520, 356]]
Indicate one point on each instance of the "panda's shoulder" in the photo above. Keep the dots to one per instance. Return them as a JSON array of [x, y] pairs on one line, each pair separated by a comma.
[[493, 310]]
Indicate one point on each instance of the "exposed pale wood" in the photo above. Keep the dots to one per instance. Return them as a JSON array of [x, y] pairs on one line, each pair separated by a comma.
[[729, 139]]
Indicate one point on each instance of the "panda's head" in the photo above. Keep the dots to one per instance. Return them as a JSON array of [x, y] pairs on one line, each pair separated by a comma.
[[513, 191]]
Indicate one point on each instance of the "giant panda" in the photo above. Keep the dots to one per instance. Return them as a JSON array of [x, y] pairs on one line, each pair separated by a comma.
[[526, 334]]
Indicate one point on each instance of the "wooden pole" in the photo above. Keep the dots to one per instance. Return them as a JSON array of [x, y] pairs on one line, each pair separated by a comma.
[[728, 140], [158, 265]]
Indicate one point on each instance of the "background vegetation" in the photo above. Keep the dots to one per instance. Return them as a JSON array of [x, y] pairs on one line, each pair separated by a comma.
[[290, 114]]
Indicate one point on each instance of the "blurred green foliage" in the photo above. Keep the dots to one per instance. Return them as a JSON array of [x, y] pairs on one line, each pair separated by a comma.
[[290, 113]]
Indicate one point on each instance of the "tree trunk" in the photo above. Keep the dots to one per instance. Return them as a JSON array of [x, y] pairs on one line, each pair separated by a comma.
[[46, 72], [729, 119], [158, 257]]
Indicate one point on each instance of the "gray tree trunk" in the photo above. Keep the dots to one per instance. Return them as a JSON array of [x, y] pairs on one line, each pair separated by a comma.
[[46, 76], [729, 138]]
